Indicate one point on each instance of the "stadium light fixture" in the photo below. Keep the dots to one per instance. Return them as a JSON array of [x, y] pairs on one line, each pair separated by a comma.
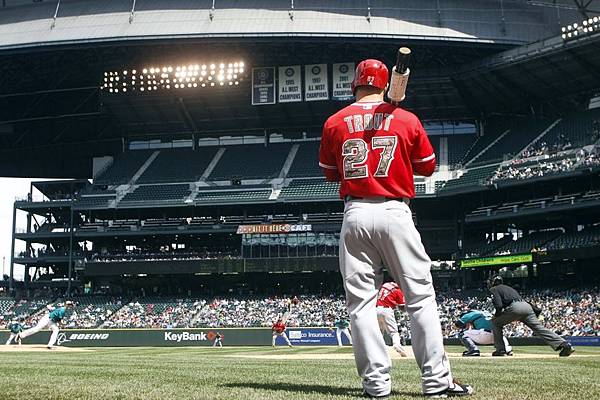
[[576, 30], [167, 77]]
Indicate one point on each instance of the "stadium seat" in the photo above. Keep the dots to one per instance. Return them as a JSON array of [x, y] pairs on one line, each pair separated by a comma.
[[306, 162], [178, 165], [254, 161], [458, 145], [170, 193], [521, 134], [527, 243], [472, 178], [310, 189], [249, 194], [585, 238], [123, 168]]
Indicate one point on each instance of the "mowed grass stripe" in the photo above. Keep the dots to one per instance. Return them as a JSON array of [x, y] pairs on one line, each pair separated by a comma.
[[206, 373]]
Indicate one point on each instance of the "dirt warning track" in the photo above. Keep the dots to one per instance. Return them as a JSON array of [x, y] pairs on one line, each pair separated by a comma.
[[394, 356], [39, 348]]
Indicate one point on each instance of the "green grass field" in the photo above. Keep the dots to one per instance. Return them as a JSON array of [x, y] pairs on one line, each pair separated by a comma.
[[227, 373]]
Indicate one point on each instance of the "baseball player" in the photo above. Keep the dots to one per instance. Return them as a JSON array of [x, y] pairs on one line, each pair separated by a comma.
[[477, 327], [218, 340], [50, 320], [278, 329], [511, 307], [341, 327], [15, 328], [390, 296], [287, 312], [373, 148]]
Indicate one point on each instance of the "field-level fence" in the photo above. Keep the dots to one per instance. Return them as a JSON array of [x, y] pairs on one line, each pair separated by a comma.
[[230, 337]]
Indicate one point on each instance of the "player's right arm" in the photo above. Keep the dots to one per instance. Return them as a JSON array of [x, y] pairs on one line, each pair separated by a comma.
[[422, 156], [327, 159]]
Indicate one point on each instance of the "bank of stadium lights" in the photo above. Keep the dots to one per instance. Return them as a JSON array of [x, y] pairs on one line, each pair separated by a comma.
[[149, 79], [586, 27]]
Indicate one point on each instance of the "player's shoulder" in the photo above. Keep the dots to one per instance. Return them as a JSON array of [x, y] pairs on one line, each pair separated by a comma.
[[467, 316], [401, 114], [338, 117]]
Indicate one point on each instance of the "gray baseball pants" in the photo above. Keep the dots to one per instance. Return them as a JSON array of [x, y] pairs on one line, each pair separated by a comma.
[[522, 311], [375, 233]]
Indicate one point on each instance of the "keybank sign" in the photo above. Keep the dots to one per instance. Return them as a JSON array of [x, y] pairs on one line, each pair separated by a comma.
[[185, 336]]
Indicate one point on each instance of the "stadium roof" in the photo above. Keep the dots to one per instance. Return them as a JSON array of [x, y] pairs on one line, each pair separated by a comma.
[[53, 119], [45, 23]]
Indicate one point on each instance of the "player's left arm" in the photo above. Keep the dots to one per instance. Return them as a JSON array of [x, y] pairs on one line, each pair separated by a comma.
[[422, 156], [327, 160], [464, 321], [460, 324]]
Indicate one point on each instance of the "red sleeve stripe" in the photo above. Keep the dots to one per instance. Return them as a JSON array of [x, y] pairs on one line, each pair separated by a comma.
[[422, 160], [327, 166]]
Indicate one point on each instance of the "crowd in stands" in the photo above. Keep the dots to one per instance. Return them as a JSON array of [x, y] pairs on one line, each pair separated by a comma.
[[311, 311], [534, 171], [568, 312], [552, 158], [591, 158], [168, 255], [48, 252], [158, 313], [542, 148], [94, 314]]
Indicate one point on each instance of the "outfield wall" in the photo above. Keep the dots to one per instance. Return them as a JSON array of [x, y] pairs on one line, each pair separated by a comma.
[[231, 337]]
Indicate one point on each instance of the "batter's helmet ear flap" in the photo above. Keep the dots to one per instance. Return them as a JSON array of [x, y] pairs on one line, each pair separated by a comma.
[[370, 73]]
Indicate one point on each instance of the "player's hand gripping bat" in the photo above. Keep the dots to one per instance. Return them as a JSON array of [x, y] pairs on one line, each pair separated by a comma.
[[400, 74]]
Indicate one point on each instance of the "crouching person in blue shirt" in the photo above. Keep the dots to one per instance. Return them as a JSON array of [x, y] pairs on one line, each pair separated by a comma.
[[477, 327]]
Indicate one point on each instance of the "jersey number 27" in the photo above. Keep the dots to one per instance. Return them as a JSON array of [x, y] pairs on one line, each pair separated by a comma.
[[356, 153]]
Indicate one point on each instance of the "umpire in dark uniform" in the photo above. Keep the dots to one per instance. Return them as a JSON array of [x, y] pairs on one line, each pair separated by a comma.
[[511, 307]]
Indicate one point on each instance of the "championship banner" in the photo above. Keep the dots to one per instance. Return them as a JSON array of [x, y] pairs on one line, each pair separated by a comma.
[[273, 228], [342, 81], [290, 85], [263, 86], [499, 260], [315, 82]]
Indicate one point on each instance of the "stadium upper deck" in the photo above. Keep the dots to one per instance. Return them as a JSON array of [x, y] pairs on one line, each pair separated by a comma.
[[53, 56]]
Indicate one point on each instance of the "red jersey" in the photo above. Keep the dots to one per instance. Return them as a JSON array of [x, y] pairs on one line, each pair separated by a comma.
[[278, 327], [375, 148], [390, 295]]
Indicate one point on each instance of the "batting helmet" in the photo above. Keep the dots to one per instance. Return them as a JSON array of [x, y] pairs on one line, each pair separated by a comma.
[[370, 73]]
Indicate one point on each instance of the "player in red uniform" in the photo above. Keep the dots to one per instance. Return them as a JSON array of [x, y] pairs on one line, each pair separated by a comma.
[[390, 296], [373, 148], [278, 329]]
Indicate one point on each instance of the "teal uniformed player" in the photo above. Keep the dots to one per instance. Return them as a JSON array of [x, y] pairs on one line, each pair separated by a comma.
[[50, 320], [478, 330], [342, 326], [15, 328]]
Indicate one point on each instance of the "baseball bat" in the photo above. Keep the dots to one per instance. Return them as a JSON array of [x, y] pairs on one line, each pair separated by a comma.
[[400, 74]]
